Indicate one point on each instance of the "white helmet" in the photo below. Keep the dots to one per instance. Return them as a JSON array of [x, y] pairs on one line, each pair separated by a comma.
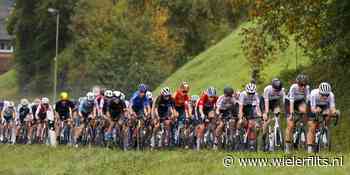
[[165, 91], [122, 96], [149, 94], [250, 88], [45, 100], [325, 88], [24, 102], [117, 94], [96, 90], [11, 104], [109, 93], [90, 96]]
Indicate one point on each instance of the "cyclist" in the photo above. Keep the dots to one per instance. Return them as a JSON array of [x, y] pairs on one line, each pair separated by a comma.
[[181, 101], [139, 103], [99, 100], [163, 111], [273, 96], [322, 102], [182, 113], [206, 109], [108, 97], [193, 108], [296, 100], [249, 110], [64, 112], [86, 112], [227, 110], [24, 115], [8, 114], [42, 118], [116, 114]]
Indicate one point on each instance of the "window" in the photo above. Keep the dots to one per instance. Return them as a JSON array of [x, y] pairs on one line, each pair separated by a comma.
[[2, 46]]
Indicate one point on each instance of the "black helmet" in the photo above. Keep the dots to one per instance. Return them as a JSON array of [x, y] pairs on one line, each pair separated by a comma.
[[277, 84], [302, 79], [228, 91]]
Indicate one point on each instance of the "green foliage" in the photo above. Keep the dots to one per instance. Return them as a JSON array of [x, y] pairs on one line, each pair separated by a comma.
[[34, 28]]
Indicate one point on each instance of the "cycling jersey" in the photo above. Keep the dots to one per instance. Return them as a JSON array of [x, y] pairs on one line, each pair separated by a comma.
[[245, 99], [206, 104], [116, 109], [270, 94], [227, 105], [250, 104], [86, 107], [63, 108], [8, 113], [164, 105], [23, 112], [99, 102], [316, 101], [41, 111], [296, 94], [181, 99], [138, 103], [106, 103]]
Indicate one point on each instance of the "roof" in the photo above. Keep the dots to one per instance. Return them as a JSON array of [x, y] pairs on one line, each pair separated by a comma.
[[5, 6]]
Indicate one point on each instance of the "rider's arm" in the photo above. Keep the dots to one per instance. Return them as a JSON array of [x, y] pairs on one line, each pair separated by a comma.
[[200, 106], [313, 102], [241, 102], [257, 106], [332, 103], [155, 108], [266, 100], [291, 98]]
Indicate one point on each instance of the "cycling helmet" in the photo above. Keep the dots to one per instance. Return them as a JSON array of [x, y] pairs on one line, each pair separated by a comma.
[[250, 88], [36, 101], [11, 104], [117, 94], [90, 96], [228, 91], [325, 88], [24, 102], [185, 86], [277, 84], [143, 88], [194, 98], [122, 96], [149, 94], [64, 96], [165, 91], [96, 90], [109, 93], [45, 100], [211, 91], [302, 79]]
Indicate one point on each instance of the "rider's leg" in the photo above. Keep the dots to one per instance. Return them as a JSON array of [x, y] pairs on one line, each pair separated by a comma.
[[289, 133]]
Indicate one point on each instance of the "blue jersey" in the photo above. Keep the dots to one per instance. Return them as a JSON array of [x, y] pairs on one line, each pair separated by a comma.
[[86, 106], [138, 103]]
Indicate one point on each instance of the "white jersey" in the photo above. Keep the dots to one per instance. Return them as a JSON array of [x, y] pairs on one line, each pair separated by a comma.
[[295, 94], [245, 99], [270, 94], [315, 99], [225, 103]]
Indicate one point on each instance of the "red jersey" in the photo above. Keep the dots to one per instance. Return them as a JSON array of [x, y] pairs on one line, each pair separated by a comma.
[[181, 99], [206, 103]]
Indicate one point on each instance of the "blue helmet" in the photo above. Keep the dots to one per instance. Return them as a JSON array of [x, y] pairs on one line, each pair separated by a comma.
[[143, 88], [211, 91]]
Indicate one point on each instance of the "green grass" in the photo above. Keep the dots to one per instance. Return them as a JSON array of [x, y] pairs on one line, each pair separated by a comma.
[[8, 85], [225, 64], [26, 160]]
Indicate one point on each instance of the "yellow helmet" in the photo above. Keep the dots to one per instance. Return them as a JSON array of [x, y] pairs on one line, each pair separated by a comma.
[[64, 96]]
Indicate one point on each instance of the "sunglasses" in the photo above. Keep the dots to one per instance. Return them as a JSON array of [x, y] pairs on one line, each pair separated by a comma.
[[185, 92], [324, 95]]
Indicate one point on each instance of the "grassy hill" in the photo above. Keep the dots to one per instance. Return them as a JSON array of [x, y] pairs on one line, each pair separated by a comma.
[[8, 85], [225, 64]]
